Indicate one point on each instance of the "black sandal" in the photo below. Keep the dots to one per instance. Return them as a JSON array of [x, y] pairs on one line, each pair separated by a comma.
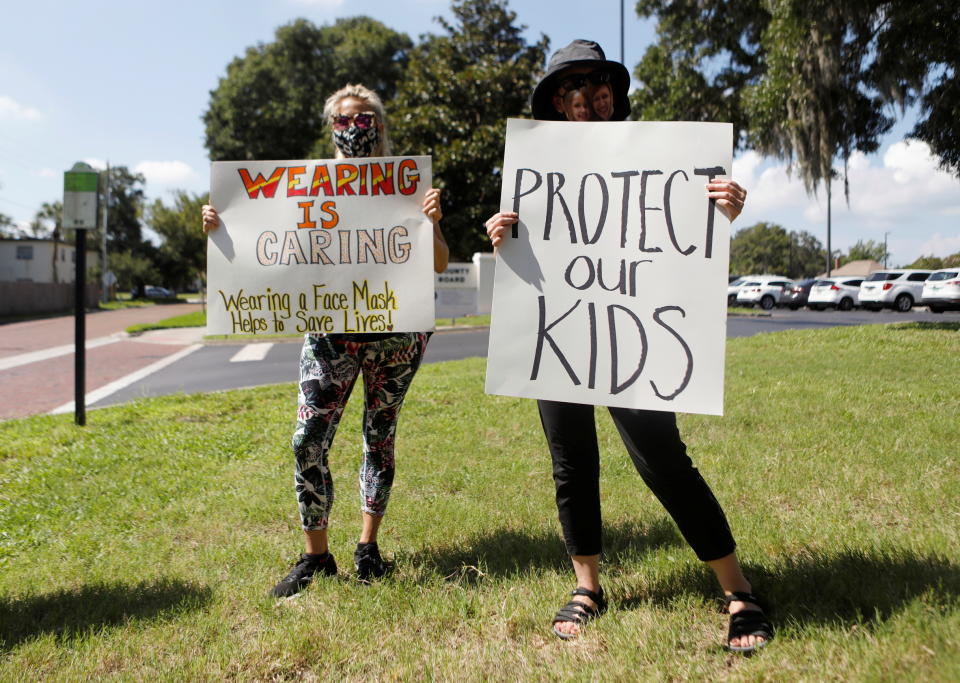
[[579, 613], [748, 622]]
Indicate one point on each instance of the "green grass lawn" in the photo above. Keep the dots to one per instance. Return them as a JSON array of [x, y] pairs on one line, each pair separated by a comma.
[[195, 319], [142, 546]]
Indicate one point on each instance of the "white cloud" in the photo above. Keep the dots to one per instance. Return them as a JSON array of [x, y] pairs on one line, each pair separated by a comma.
[[10, 110], [328, 4], [906, 183], [165, 172], [98, 164], [939, 245], [46, 173]]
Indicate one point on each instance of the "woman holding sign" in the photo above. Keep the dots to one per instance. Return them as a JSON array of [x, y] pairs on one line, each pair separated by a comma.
[[580, 76], [329, 367]]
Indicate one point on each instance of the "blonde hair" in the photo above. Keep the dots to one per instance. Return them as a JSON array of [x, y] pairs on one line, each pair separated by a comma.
[[373, 101]]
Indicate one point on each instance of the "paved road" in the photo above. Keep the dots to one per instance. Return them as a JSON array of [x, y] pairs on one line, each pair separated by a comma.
[[36, 358], [210, 369]]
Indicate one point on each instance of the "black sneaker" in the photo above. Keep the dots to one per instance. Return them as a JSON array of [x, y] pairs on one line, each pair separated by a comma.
[[368, 562], [302, 574]]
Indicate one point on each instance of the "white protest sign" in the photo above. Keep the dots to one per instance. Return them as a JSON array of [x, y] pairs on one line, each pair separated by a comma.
[[322, 246], [612, 288]]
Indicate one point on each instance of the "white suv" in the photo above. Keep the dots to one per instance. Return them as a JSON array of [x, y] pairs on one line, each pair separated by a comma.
[[842, 293], [897, 289], [764, 291], [733, 288], [941, 291]]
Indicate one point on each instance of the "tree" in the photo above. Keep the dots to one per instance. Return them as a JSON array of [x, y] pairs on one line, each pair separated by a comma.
[[918, 60], [134, 272], [707, 52], [182, 255], [457, 91], [769, 248], [270, 103], [927, 263], [808, 79], [49, 220], [806, 255], [8, 229], [711, 52], [125, 209], [810, 108], [869, 250]]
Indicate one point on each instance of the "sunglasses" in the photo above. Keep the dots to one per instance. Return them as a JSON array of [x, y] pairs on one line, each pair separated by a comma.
[[578, 81], [363, 120]]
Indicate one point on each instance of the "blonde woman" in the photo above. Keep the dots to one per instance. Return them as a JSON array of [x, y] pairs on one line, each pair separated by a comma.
[[330, 365]]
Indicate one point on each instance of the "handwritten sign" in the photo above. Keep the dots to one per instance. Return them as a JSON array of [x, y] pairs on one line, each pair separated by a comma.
[[611, 289], [326, 246]]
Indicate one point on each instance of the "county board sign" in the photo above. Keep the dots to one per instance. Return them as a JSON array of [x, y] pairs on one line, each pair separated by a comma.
[[322, 246], [611, 289]]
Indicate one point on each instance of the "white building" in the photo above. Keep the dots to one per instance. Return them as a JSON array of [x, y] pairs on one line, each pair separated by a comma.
[[41, 260]]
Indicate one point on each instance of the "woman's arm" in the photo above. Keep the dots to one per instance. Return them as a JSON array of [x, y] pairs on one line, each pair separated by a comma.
[[441, 252]]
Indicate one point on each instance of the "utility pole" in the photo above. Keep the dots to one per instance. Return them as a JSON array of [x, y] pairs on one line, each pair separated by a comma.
[[885, 249], [829, 252], [104, 286], [622, 61]]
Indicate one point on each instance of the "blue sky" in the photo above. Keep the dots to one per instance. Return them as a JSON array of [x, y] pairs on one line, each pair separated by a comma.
[[127, 82]]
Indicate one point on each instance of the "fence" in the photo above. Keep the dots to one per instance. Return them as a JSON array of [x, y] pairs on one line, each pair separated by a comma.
[[27, 298]]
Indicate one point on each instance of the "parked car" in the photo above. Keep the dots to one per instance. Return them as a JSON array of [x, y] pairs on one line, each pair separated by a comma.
[[898, 289], [733, 287], [941, 291], [796, 296], [158, 293], [765, 291], [842, 293]]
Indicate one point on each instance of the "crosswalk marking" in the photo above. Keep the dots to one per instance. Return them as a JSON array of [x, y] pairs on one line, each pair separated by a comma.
[[99, 394], [251, 352], [46, 354]]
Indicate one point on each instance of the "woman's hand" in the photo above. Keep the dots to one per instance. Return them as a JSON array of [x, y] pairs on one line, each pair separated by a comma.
[[498, 224], [211, 220], [431, 208], [431, 205], [730, 197]]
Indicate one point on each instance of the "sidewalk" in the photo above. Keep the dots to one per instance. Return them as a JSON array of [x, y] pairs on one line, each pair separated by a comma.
[[37, 364], [35, 335]]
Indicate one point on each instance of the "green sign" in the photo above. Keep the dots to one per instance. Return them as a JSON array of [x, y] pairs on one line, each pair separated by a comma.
[[80, 197], [80, 181]]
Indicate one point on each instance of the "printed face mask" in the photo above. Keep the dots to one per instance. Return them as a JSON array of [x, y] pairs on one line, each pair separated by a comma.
[[356, 142]]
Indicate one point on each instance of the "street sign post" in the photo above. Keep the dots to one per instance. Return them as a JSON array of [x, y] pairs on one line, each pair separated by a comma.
[[80, 186]]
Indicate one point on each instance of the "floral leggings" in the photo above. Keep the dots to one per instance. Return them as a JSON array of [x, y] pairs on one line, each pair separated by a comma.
[[329, 366]]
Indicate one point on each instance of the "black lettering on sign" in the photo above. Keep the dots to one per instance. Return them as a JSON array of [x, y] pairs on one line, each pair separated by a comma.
[[543, 333], [686, 349]]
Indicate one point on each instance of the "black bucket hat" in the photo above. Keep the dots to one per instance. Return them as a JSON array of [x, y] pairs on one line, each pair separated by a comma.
[[580, 53]]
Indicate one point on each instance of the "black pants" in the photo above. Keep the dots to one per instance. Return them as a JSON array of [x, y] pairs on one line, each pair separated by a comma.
[[653, 442]]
